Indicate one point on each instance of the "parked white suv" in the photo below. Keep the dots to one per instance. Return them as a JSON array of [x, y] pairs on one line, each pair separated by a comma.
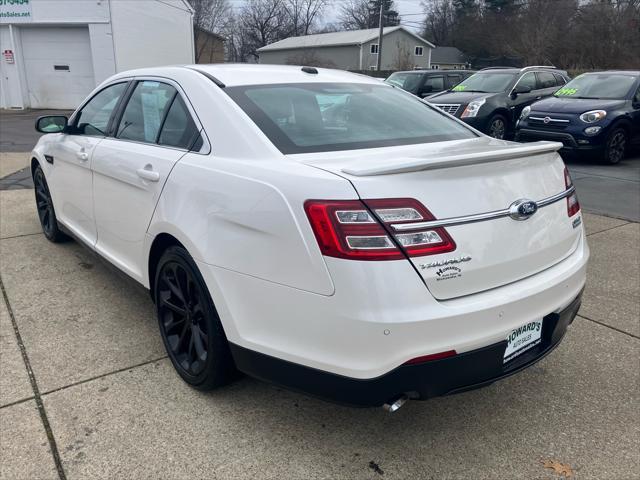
[[318, 229]]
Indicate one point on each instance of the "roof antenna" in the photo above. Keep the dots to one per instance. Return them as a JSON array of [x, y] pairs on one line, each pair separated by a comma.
[[312, 70]]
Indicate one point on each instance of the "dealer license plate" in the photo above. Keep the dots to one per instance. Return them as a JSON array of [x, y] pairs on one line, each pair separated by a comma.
[[522, 339]]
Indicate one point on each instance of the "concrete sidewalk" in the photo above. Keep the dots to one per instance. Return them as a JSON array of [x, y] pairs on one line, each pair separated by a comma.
[[86, 390]]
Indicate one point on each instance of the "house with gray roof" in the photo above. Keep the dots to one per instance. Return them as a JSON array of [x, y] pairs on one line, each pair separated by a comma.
[[352, 50], [448, 58]]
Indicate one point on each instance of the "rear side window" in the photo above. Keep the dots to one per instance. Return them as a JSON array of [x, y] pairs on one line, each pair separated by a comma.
[[324, 117], [454, 80], [436, 83], [546, 80], [560, 80], [143, 115], [179, 129]]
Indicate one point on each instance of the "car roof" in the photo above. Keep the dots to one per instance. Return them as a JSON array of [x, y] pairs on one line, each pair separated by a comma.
[[435, 71], [231, 75], [623, 72]]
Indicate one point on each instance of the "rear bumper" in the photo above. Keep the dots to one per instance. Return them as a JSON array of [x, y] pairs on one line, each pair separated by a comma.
[[466, 371]]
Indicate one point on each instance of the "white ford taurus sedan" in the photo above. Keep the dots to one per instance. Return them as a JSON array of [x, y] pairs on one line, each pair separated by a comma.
[[318, 229]]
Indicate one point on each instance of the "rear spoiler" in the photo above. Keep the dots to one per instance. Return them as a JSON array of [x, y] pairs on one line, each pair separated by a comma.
[[403, 165]]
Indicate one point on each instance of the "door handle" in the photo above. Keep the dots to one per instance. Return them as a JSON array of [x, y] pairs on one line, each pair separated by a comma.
[[147, 173], [84, 156], [538, 97]]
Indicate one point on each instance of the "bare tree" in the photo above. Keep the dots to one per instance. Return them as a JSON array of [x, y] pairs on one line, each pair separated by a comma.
[[354, 15], [263, 22], [303, 15], [362, 14], [439, 21], [209, 16]]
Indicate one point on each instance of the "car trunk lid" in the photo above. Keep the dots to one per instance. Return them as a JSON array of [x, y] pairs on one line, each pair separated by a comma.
[[472, 178]]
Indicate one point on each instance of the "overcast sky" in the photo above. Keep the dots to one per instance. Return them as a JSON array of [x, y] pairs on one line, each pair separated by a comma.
[[406, 8]]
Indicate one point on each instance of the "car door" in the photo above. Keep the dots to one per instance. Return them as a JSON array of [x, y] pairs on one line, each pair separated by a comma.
[[154, 130], [517, 101], [70, 177]]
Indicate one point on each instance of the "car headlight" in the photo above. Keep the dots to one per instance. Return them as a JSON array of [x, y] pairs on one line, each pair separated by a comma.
[[473, 108], [593, 116], [525, 112]]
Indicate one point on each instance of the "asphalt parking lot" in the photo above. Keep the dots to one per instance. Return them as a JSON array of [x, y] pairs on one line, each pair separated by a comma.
[[87, 392]]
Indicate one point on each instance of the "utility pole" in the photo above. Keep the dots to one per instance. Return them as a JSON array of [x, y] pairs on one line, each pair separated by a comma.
[[379, 63]]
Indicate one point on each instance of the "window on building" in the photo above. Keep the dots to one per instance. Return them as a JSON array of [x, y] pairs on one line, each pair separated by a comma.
[[374, 48], [418, 51], [373, 67]]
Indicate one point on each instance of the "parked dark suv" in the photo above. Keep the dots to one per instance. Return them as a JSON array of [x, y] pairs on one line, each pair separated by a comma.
[[596, 112], [427, 82], [492, 99]]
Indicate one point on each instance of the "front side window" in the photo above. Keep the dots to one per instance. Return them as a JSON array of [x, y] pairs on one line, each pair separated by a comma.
[[323, 117], [418, 51], [145, 111], [408, 81], [605, 86], [374, 48], [528, 80], [487, 82], [94, 117]]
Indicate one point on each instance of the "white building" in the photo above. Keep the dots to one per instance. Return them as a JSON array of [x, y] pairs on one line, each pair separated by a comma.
[[54, 52]]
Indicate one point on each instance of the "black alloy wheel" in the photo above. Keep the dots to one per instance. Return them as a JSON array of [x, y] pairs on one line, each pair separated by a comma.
[[44, 205], [189, 325], [498, 127], [616, 146]]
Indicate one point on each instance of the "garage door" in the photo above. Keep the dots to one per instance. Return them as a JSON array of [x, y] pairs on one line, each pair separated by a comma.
[[58, 66]]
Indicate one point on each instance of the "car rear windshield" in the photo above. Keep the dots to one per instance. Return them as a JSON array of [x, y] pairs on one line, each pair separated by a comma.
[[405, 80], [605, 86], [323, 117], [486, 82]]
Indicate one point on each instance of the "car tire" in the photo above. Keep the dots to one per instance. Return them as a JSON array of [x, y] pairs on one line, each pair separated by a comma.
[[189, 323], [46, 211], [497, 127], [616, 146]]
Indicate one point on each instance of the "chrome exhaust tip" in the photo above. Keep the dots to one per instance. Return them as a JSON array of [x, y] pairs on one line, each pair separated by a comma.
[[395, 403]]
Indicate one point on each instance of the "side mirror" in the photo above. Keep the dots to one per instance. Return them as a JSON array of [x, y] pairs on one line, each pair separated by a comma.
[[520, 89], [52, 124]]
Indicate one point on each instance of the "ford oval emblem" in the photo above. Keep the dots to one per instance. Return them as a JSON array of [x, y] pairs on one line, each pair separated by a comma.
[[522, 209]]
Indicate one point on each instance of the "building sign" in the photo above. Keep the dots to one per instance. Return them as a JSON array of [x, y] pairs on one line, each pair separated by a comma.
[[8, 56], [15, 11]]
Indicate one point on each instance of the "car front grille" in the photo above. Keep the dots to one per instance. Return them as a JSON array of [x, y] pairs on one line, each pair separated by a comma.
[[450, 108], [547, 122]]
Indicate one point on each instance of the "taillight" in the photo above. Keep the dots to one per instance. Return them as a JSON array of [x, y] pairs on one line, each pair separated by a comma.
[[361, 230], [573, 205]]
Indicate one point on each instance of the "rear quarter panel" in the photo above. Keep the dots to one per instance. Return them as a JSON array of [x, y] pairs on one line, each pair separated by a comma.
[[247, 216]]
